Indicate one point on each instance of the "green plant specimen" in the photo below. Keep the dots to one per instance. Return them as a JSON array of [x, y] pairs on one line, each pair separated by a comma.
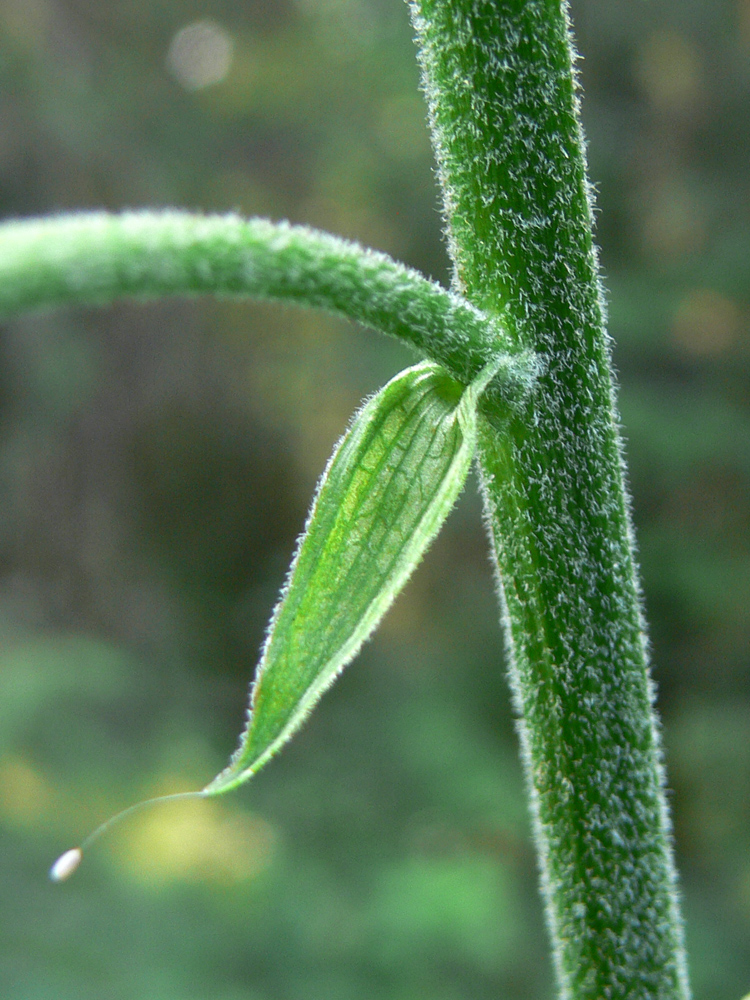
[[500, 83], [526, 310]]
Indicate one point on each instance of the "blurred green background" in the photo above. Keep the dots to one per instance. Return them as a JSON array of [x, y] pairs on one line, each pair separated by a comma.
[[156, 466]]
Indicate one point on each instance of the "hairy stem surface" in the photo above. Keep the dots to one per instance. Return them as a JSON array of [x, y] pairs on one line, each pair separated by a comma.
[[94, 258], [500, 86]]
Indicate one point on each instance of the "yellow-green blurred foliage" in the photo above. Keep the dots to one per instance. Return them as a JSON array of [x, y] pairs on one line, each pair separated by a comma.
[[156, 464]]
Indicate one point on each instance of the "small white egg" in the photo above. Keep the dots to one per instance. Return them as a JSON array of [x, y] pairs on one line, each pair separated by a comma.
[[66, 864]]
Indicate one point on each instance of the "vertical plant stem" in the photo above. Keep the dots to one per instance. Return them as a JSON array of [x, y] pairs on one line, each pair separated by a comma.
[[500, 86]]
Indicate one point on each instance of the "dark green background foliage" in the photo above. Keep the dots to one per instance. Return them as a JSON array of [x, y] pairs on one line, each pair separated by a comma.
[[157, 463]]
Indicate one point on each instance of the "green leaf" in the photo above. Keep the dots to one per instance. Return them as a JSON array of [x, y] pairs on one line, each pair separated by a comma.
[[388, 488]]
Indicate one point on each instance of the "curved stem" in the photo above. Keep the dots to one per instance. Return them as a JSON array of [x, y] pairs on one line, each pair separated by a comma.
[[94, 258]]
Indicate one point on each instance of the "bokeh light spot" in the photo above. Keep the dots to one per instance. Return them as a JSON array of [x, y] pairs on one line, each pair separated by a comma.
[[24, 794], [196, 841], [669, 69], [200, 54], [706, 322]]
